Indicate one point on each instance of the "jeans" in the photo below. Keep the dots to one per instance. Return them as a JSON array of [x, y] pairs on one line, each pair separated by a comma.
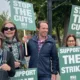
[[44, 78]]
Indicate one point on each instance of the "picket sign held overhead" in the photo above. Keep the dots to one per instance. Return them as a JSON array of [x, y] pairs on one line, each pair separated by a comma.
[[22, 14], [74, 25]]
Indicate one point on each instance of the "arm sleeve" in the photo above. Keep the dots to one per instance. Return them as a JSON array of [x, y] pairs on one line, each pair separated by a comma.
[[10, 62], [55, 59], [28, 48], [22, 54]]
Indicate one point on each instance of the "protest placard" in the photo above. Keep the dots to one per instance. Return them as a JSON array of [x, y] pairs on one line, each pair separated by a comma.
[[74, 25], [22, 14], [69, 60], [25, 74]]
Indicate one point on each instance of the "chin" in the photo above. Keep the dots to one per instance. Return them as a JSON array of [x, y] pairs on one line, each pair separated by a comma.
[[44, 35], [9, 36]]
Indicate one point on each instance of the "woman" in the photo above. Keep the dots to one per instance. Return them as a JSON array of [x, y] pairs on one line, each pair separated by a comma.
[[13, 44], [7, 68], [70, 41]]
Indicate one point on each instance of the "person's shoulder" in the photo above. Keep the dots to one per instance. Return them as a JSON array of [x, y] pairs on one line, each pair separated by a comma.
[[49, 38], [34, 38]]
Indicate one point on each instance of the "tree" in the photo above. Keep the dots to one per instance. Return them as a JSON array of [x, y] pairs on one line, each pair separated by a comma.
[[61, 16], [3, 17]]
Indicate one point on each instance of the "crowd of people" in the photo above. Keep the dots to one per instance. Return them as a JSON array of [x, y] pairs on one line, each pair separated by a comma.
[[41, 49]]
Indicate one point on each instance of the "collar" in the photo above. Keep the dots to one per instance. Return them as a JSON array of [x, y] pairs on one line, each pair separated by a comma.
[[43, 40]]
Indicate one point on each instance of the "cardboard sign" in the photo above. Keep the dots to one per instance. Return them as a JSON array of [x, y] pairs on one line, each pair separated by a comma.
[[69, 60], [74, 25], [28, 74], [22, 15]]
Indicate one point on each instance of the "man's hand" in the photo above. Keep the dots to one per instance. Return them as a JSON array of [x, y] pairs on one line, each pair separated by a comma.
[[24, 39], [53, 77]]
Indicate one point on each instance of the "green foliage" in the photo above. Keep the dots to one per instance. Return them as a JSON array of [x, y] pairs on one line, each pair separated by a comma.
[[39, 8], [3, 17]]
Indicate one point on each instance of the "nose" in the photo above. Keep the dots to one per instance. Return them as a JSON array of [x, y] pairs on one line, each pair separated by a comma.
[[9, 29], [46, 30]]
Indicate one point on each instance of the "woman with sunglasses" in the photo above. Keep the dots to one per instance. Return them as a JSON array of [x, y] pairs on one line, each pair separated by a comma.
[[7, 68], [13, 44]]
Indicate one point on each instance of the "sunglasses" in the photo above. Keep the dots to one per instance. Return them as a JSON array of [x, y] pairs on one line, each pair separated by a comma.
[[11, 28]]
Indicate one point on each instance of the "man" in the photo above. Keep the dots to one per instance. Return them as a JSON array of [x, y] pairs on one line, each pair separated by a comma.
[[42, 49]]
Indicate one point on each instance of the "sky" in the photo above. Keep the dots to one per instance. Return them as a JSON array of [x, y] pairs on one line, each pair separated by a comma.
[[4, 6]]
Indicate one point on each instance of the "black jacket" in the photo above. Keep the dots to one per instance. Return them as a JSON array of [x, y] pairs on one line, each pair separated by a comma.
[[21, 53], [4, 75], [42, 60]]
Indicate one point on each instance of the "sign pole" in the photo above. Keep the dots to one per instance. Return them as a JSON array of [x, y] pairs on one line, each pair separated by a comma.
[[25, 44], [49, 15]]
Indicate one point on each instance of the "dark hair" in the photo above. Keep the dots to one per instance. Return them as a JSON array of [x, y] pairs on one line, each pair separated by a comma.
[[2, 37], [6, 22], [70, 35], [38, 24]]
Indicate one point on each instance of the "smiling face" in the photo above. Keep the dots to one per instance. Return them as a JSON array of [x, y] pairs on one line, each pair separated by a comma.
[[43, 29], [9, 30], [71, 42]]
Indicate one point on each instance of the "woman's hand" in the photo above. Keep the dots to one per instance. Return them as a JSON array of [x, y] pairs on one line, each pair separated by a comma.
[[17, 64], [5, 67]]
